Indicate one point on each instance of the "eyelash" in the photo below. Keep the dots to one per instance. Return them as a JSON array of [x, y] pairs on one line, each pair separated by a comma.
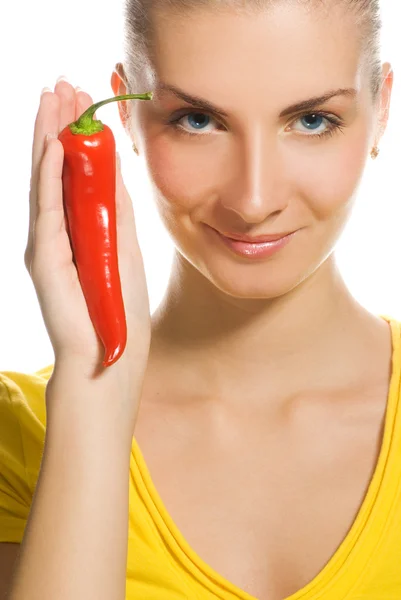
[[335, 124]]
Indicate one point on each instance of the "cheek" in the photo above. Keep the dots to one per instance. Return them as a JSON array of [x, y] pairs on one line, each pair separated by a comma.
[[328, 180], [181, 175]]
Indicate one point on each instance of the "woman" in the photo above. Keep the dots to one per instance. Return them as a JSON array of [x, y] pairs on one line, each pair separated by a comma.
[[261, 395]]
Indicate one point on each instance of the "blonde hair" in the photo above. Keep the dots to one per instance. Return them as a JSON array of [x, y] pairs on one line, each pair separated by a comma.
[[138, 30]]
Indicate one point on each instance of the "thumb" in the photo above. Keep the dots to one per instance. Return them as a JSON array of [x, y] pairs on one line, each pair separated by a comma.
[[125, 213]]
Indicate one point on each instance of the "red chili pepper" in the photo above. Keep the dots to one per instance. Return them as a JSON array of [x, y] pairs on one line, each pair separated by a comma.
[[89, 186]]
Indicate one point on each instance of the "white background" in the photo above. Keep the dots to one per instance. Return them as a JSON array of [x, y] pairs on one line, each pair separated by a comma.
[[83, 40]]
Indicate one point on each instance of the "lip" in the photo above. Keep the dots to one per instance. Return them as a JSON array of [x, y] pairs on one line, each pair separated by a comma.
[[257, 239], [252, 250]]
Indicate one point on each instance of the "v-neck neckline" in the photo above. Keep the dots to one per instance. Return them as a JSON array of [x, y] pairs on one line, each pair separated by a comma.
[[356, 535]]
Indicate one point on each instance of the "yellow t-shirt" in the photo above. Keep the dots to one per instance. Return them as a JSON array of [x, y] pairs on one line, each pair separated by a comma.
[[161, 565]]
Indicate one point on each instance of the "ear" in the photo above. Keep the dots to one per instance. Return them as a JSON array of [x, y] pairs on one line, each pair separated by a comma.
[[119, 87], [385, 97]]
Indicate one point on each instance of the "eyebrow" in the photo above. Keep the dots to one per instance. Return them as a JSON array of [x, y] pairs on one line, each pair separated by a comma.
[[299, 106]]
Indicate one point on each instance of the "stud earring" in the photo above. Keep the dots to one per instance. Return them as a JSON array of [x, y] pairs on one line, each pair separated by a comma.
[[374, 152], [135, 149]]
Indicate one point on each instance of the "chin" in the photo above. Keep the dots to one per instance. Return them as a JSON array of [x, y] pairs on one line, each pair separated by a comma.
[[257, 281], [255, 290]]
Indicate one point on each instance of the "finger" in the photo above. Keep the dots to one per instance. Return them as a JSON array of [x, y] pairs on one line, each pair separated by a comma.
[[50, 211], [82, 102], [46, 121], [66, 93]]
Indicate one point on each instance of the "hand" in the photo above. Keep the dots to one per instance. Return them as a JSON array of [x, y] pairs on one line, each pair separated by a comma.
[[49, 259]]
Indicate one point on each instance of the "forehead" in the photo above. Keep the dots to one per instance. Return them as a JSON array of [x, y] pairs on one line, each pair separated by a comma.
[[286, 49]]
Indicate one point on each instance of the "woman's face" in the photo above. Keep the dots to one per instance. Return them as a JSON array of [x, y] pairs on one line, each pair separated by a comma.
[[256, 170]]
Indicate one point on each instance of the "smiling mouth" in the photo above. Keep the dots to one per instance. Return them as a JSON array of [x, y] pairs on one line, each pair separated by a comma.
[[258, 239], [252, 250]]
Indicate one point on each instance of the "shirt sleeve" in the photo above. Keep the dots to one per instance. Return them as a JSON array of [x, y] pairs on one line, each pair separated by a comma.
[[22, 434]]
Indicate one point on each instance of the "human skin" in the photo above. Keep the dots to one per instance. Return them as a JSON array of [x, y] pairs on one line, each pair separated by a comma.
[[243, 326]]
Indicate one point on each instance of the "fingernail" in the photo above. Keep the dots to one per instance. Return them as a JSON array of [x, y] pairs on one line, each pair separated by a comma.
[[45, 89], [62, 78]]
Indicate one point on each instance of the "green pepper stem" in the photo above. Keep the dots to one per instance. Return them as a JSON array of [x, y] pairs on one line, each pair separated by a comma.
[[87, 125]]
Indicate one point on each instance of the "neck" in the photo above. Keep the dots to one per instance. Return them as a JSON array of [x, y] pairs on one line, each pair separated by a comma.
[[236, 348]]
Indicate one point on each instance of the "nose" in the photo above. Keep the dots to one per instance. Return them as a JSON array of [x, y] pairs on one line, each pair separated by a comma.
[[257, 188]]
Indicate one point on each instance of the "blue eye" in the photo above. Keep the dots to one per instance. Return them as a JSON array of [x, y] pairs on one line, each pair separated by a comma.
[[310, 121], [197, 120]]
